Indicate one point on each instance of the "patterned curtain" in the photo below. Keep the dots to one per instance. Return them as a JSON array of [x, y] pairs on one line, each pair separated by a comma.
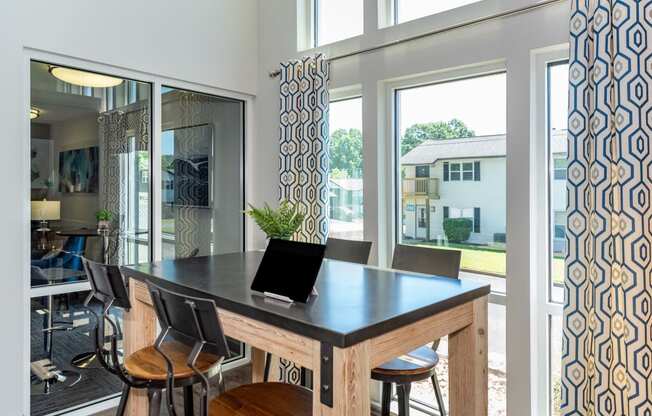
[[304, 161], [115, 129], [304, 143], [607, 348], [194, 109]]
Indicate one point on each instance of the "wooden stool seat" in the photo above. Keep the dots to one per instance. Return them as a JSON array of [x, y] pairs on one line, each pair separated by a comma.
[[263, 399], [413, 366], [148, 364]]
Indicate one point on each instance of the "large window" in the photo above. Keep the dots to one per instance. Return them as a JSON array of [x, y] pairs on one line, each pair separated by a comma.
[[557, 119], [346, 207], [457, 129], [201, 177], [451, 194], [336, 20], [406, 10]]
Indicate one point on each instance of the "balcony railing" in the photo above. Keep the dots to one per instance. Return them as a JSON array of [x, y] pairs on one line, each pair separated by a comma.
[[421, 186]]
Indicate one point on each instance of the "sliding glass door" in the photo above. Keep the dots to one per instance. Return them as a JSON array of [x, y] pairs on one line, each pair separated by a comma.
[[201, 177]]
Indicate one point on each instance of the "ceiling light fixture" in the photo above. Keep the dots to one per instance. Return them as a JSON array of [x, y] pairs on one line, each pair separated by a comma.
[[34, 113], [83, 78]]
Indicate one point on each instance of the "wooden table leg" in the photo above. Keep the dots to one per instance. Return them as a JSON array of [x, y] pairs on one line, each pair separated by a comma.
[[257, 365], [139, 331], [467, 365], [351, 374]]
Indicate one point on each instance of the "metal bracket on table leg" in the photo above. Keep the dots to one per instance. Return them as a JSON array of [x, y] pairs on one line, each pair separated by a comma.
[[326, 374]]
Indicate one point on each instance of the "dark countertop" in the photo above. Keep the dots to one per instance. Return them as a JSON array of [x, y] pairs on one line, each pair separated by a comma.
[[355, 302]]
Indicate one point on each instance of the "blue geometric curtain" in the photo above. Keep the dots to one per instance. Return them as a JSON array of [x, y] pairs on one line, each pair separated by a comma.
[[607, 347], [304, 157], [304, 143]]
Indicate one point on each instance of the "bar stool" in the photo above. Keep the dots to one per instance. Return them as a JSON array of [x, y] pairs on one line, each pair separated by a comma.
[[146, 368], [196, 320], [421, 363]]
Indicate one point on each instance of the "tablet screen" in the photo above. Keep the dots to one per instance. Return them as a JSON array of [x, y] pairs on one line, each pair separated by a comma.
[[289, 268]]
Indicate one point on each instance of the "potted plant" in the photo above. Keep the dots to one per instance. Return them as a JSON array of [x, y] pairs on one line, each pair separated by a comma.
[[277, 223], [104, 217]]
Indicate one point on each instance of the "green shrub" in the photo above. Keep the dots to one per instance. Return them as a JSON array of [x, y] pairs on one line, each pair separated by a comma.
[[458, 230], [500, 238]]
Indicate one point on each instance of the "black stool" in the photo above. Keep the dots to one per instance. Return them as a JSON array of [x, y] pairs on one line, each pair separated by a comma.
[[146, 368]]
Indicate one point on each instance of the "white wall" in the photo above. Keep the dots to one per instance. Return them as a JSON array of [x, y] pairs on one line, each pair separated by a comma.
[[508, 40], [212, 43]]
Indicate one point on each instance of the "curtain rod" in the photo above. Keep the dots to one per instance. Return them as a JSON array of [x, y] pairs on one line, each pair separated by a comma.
[[467, 23]]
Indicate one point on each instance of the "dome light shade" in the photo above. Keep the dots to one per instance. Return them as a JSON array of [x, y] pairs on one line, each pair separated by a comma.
[[83, 78], [34, 113]]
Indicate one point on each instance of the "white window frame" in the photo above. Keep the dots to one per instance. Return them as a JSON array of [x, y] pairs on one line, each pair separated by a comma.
[[541, 175], [393, 207], [461, 170], [388, 9], [392, 184], [308, 25]]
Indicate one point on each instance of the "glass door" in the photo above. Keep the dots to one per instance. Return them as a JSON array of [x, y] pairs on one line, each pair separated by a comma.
[[90, 197], [202, 195]]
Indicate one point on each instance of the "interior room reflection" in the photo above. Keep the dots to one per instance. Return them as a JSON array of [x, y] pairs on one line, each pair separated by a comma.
[[91, 192]]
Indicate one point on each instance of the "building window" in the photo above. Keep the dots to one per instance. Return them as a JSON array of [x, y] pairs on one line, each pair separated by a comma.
[[560, 166], [423, 171], [406, 10], [455, 170], [466, 171], [346, 184], [335, 20], [559, 228]]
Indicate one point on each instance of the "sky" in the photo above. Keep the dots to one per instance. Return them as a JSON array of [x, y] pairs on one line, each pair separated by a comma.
[[414, 9], [558, 78], [346, 114], [334, 25], [480, 102]]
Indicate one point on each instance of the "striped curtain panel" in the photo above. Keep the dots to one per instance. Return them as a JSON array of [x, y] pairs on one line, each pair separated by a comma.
[[304, 143], [607, 348]]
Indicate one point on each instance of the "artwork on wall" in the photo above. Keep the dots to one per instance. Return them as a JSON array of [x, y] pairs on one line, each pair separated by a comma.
[[41, 163], [78, 170], [186, 160]]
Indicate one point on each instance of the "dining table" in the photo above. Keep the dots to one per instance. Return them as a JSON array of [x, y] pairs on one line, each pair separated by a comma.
[[361, 317]]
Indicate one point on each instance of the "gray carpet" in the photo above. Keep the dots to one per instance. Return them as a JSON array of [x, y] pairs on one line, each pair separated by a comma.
[[96, 383]]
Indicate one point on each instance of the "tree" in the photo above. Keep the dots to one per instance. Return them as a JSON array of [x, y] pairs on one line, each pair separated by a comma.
[[420, 132], [346, 153]]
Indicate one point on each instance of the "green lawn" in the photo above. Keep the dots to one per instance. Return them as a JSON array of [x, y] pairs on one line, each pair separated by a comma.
[[492, 261], [167, 225]]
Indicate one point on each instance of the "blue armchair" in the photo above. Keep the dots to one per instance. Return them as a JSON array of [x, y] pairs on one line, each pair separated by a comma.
[[68, 257]]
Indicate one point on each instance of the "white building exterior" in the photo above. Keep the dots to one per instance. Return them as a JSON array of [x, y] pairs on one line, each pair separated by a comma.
[[465, 178]]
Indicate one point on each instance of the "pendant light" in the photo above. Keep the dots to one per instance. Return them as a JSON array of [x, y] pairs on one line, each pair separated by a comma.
[[83, 78]]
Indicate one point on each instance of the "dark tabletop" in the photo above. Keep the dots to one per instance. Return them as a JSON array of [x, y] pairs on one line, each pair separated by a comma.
[[79, 232], [355, 302]]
